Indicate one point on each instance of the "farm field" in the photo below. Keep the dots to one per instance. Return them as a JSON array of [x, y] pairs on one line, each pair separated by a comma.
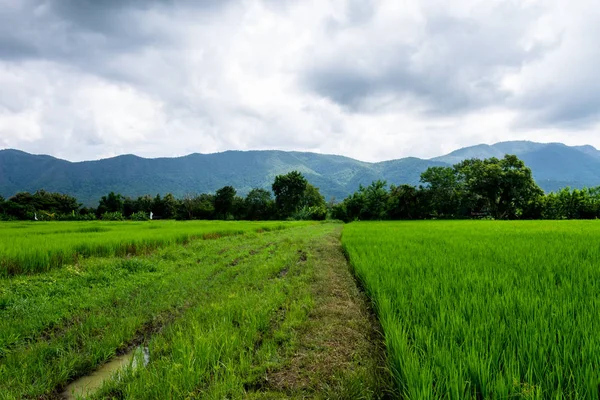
[[261, 310], [30, 247], [485, 309]]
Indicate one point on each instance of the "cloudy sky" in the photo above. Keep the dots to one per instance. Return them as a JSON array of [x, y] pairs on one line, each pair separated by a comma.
[[369, 79]]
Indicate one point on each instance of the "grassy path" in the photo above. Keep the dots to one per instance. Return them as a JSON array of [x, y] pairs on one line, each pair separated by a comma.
[[339, 354]]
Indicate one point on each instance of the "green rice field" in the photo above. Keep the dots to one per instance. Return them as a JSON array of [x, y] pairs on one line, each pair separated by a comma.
[[485, 309], [273, 310], [29, 247], [191, 319]]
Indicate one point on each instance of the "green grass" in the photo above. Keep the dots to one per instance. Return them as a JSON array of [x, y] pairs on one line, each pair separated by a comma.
[[33, 247], [485, 309], [220, 318]]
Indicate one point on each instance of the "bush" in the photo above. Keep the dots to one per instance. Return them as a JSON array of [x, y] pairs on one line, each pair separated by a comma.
[[139, 216], [316, 213], [112, 216]]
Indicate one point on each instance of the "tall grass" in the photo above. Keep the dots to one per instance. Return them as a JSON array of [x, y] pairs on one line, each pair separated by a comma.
[[209, 305], [485, 309], [28, 247]]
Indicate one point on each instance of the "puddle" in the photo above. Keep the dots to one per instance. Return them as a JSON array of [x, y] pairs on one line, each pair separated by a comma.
[[87, 385]]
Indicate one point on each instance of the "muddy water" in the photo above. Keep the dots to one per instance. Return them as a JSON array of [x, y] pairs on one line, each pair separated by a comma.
[[87, 385]]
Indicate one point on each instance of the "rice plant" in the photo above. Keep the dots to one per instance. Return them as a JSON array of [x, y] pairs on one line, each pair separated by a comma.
[[33, 247], [485, 309]]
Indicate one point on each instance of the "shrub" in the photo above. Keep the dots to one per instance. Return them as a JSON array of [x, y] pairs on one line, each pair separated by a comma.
[[112, 216], [139, 216], [316, 213]]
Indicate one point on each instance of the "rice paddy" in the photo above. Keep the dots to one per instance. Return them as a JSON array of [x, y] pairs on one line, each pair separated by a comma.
[[269, 310], [210, 319], [30, 247], [485, 309]]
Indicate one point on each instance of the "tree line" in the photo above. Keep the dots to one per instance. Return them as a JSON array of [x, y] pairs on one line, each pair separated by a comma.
[[490, 188], [292, 197]]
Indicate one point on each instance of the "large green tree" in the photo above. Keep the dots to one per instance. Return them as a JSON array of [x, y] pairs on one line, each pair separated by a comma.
[[201, 206], [445, 191], [224, 198], [505, 186], [405, 202], [289, 191], [375, 201], [110, 203], [259, 205], [168, 206]]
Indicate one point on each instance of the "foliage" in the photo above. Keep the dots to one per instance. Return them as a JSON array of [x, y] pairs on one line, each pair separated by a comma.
[[502, 189], [506, 186], [224, 199], [197, 207], [259, 205], [314, 213], [111, 203], [497, 188], [289, 190], [407, 202], [112, 216], [139, 216], [445, 191]]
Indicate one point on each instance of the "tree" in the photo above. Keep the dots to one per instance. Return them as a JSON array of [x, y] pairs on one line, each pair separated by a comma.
[[505, 185], [312, 205], [145, 203], [49, 205], [368, 203], [289, 190], [129, 206], [110, 203], [169, 206], [224, 202], [312, 197], [405, 202], [339, 211], [259, 205], [197, 207], [54, 202], [445, 191], [354, 205], [375, 201]]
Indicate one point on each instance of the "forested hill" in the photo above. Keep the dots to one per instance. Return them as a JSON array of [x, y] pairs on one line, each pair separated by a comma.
[[134, 176], [554, 166]]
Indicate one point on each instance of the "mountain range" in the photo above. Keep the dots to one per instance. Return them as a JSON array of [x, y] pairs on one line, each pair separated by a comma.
[[554, 166]]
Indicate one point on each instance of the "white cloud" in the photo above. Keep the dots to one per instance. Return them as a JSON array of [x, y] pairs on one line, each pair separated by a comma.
[[372, 80]]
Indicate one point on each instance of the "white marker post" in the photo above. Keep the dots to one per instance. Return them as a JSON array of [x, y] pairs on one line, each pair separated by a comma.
[[151, 214]]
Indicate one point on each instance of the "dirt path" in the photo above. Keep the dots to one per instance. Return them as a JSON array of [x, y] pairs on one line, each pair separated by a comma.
[[340, 353]]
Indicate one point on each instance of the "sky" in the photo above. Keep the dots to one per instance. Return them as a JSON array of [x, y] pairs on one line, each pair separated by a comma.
[[369, 79]]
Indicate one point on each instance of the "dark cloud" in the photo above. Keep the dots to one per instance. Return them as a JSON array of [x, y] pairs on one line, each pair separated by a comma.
[[562, 110], [76, 30], [355, 88], [457, 65], [64, 32]]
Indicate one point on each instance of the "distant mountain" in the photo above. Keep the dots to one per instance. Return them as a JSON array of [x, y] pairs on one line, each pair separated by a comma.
[[554, 166], [134, 176]]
